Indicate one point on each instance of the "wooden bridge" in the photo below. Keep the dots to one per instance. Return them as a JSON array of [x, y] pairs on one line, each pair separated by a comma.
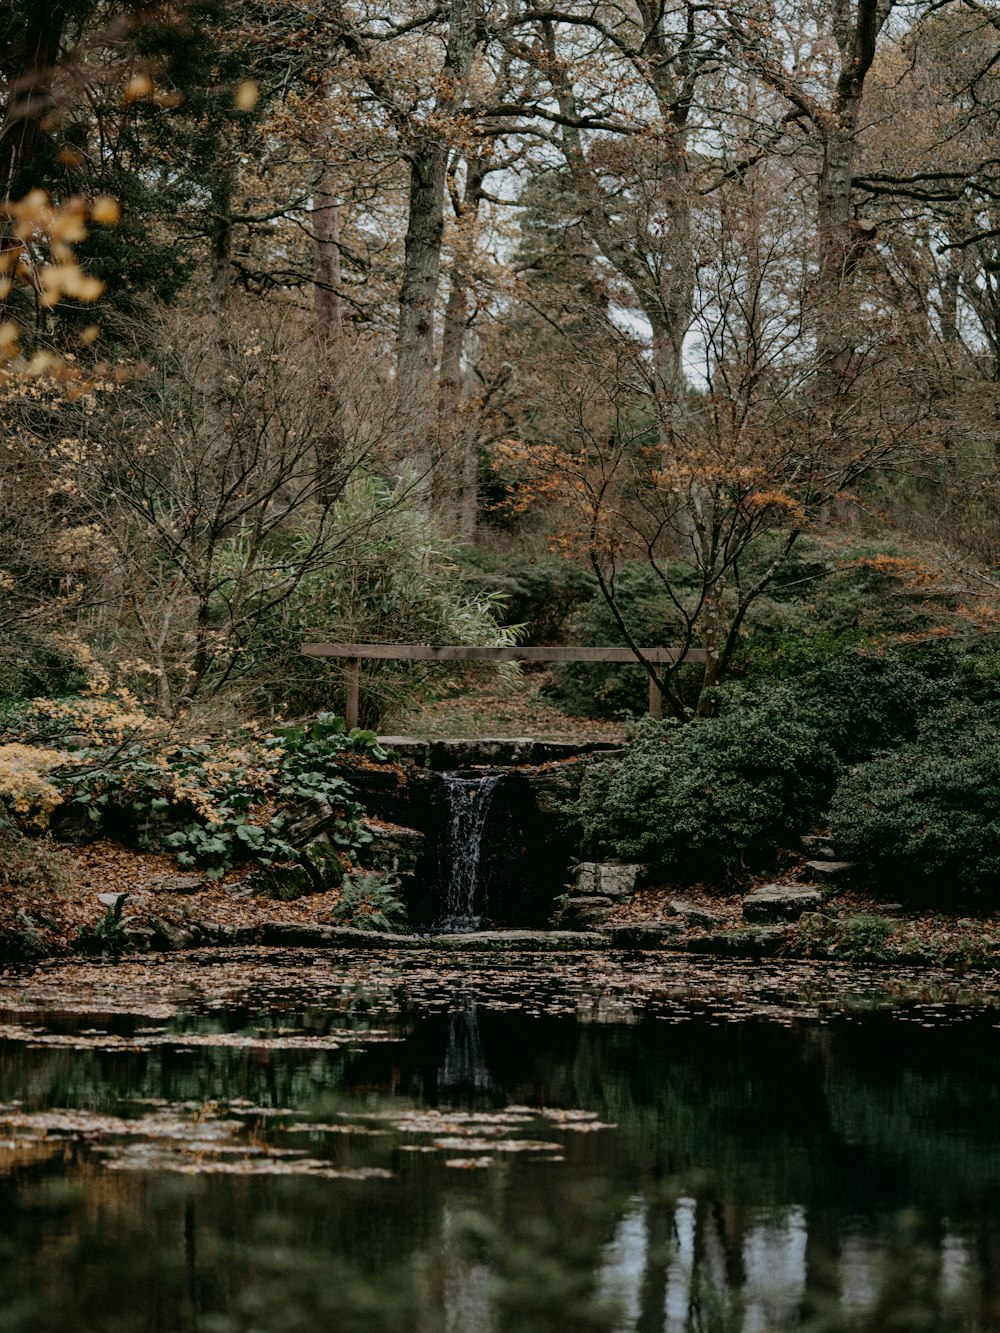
[[354, 653]]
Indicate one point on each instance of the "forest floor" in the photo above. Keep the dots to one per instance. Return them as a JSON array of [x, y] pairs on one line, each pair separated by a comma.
[[491, 705]]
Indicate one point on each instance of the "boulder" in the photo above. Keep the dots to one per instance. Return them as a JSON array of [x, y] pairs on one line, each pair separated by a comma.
[[140, 937], [613, 879], [27, 944], [815, 844], [393, 849], [780, 902], [584, 912], [114, 902], [301, 823], [284, 881], [170, 936]]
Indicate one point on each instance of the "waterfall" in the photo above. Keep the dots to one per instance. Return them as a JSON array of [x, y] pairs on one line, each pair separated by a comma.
[[469, 802]]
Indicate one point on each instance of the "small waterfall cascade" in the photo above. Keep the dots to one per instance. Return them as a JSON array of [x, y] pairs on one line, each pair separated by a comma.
[[469, 803]]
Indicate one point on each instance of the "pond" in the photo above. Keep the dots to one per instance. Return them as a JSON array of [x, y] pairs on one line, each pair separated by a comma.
[[266, 1143]]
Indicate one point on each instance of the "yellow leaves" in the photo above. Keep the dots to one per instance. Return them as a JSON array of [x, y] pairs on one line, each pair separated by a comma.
[[41, 257], [247, 95], [56, 281], [24, 780], [139, 87], [105, 210]]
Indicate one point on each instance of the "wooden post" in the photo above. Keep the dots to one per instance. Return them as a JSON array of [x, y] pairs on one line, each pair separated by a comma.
[[655, 698], [352, 681]]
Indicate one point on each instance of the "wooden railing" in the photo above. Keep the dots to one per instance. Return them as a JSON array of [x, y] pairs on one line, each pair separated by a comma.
[[354, 653]]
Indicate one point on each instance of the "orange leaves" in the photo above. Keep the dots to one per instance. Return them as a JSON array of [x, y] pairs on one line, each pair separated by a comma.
[[916, 572]]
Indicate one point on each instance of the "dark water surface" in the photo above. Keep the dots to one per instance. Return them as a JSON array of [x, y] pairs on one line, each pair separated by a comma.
[[439, 1144]]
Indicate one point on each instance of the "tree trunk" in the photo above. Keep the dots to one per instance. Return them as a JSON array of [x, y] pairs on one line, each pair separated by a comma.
[[29, 100], [840, 240], [329, 326], [29, 97], [417, 297], [456, 434], [415, 360], [221, 245], [835, 317]]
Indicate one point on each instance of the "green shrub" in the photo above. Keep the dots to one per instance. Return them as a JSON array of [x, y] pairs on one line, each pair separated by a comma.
[[855, 938], [394, 579], [829, 598], [714, 796], [926, 816], [864, 702], [200, 800]]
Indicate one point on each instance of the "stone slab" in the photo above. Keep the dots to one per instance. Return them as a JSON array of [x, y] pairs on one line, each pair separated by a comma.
[[177, 883], [528, 941], [480, 752], [407, 747], [780, 902], [834, 871], [755, 942], [647, 935]]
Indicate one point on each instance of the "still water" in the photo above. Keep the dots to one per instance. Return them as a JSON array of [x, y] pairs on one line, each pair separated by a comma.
[[432, 1144]]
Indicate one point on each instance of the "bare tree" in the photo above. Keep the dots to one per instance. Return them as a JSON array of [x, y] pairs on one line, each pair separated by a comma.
[[209, 480]]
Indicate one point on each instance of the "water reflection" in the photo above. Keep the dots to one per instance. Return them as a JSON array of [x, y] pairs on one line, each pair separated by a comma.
[[485, 1171], [464, 1065]]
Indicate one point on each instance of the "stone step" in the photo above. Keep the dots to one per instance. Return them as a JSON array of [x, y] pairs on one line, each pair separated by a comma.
[[780, 902], [752, 942], [832, 872]]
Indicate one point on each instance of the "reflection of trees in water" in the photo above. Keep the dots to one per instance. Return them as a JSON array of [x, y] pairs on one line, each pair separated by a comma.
[[782, 1280], [753, 1184]]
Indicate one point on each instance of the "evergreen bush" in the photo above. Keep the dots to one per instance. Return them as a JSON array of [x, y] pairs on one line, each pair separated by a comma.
[[862, 702], [713, 797], [925, 817]]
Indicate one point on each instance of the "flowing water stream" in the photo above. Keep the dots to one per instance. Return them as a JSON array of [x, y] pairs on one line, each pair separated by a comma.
[[468, 803]]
